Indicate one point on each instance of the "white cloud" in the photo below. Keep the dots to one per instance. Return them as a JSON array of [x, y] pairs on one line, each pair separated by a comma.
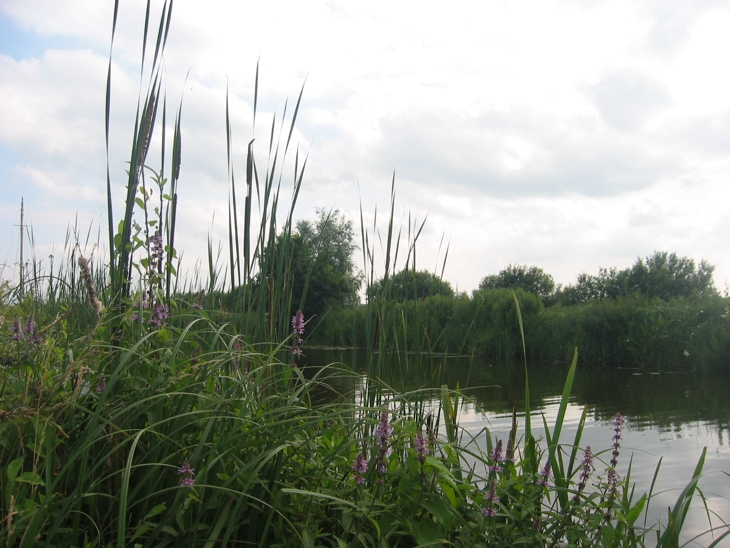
[[570, 135]]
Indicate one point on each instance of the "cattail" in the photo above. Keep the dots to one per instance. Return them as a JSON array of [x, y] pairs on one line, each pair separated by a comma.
[[145, 132], [89, 283]]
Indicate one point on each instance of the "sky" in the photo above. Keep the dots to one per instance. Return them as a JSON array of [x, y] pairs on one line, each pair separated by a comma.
[[563, 134]]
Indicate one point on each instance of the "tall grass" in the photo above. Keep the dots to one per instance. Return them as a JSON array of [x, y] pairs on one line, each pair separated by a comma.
[[160, 423]]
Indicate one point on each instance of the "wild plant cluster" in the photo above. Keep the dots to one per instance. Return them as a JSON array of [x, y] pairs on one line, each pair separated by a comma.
[[137, 411]]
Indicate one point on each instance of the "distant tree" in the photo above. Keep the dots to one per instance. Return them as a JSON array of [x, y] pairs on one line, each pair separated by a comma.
[[323, 269], [531, 279], [661, 275], [409, 285], [666, 276]]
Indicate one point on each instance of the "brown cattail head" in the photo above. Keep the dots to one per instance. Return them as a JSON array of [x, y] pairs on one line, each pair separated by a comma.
[[89, 283]]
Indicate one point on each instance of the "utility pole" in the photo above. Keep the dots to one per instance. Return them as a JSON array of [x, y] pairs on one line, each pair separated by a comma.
[[22, 266]]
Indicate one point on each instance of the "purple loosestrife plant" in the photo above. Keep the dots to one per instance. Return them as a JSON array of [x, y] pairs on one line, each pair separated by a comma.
[[544, 475], [360, 466], [297, 327], [491, 499], [618, 424], [586, 470], [497, 457], [159, 316], [187, 474], [384, 433], [612, 478], [421, 447], [17, 332]]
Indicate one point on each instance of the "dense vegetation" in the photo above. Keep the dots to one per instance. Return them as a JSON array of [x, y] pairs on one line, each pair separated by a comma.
[[663, 312], [139, 409]]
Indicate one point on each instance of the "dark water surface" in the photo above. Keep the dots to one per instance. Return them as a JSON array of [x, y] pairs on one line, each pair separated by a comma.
[[670, 415]]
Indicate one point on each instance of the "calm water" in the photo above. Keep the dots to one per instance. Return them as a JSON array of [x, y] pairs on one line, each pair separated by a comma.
[[669, 415]]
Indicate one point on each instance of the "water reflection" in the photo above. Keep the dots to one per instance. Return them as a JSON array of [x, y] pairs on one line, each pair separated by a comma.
[[671, 416]]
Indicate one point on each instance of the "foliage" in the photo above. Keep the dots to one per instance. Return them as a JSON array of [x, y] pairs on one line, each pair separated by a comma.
[[531, 279], [409, 285], [123, 426], [661, 275], [187, 432], [323, 268]]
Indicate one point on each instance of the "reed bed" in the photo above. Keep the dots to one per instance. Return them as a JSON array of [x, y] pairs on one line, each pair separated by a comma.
[[142, 410]]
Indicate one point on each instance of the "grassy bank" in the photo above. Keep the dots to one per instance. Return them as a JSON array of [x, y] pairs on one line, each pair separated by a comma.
[[682, 333], [137, 410]]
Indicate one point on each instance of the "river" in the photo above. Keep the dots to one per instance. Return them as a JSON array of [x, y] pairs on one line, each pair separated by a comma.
[[670, 416]]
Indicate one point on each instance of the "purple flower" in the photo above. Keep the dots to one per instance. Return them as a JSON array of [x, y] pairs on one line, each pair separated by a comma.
[[159, 315], [297, 325], [491, 498], [17, 333], [497, 456], [187, 474], [492, 494], [420, 446], [101, 386], [544, 475], [196, 306], [385, 430], [618, 423], [30, 325], [360, 466], [157, 254], [586, 470]]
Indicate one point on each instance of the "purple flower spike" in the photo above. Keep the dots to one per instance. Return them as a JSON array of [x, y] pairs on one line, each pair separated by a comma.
[[30, 325], [586, 470], [618, 424], [497, 456], [385, 430], [17, 333], [297, 326], [544, 475], [421, 447], [360, 466], [159, 316], [187, 474]]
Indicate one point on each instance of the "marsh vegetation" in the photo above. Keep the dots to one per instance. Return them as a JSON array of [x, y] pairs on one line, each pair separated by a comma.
[[144, 407]]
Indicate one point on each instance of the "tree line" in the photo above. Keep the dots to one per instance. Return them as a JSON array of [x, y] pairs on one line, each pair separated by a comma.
[[660, 311]]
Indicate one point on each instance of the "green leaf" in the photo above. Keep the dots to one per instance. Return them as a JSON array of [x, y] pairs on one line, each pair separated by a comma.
[[31, 477], [14, 467], [170, 530], [156, 510], [635, 512], [141, 530], [426, 533], [608, 535], [439, 509]]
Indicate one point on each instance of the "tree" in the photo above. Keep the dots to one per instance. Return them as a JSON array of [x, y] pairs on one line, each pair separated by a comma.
[[666, 276], [409, 285], [531, 279], [323, 269], [661, 275]]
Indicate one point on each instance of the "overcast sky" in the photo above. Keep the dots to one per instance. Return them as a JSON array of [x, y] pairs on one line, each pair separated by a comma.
[[568, 135]]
